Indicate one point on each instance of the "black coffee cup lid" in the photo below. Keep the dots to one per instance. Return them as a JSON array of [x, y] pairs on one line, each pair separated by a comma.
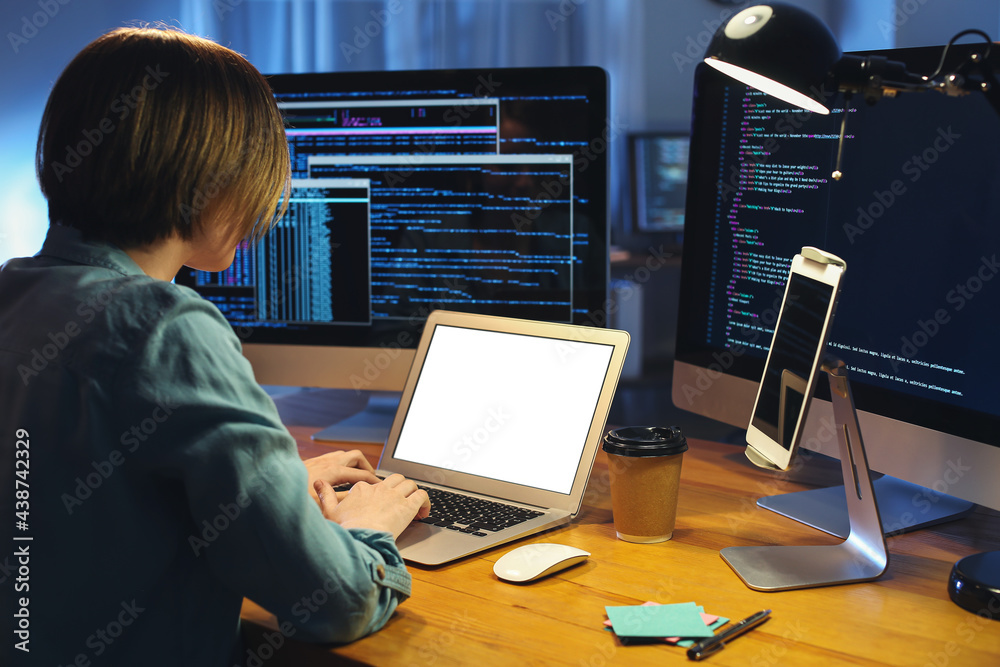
[[645, 441]]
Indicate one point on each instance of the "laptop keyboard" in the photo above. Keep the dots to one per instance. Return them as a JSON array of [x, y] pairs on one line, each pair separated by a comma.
[[474, 516], [467, 514]]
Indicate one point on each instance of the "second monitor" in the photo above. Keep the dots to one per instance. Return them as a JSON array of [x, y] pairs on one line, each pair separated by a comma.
[[482, 191], [915, 218]]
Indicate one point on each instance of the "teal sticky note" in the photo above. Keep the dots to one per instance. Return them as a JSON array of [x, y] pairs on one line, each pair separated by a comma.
[[665, 620], [687, 643]]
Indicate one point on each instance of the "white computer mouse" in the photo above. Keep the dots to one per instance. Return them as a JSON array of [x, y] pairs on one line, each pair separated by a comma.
[[533, 561]]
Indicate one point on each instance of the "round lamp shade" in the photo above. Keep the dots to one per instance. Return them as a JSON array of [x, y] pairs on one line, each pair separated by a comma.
[[779, 49]]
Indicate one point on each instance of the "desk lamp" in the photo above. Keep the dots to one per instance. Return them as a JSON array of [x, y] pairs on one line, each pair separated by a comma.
[[791, 54]]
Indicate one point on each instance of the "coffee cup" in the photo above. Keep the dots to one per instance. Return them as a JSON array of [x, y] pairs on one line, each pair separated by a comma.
[[644, 463]]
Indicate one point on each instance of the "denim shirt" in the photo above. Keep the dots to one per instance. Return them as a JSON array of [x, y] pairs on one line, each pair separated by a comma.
[[158, 485]]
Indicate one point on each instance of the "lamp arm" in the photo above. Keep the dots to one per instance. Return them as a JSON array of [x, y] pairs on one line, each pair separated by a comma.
[[837, 173], [975, 74], [874, 77]]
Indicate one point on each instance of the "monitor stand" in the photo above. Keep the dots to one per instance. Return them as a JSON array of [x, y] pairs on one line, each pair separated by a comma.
[[370, 425], [826, 509], [862, 556]]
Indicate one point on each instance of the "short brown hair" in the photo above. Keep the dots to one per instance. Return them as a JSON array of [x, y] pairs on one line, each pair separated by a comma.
[[147, 128]]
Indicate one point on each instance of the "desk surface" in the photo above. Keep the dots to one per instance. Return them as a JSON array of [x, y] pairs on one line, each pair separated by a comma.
[[462, 614]]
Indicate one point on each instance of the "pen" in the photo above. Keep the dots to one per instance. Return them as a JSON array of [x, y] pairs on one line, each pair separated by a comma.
[[708, 646]]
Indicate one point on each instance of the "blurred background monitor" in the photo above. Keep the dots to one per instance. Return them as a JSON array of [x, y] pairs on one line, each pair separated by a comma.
[[658, 165]]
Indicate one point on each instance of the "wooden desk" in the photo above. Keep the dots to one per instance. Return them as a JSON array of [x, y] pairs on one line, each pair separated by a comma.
[[461, 614]]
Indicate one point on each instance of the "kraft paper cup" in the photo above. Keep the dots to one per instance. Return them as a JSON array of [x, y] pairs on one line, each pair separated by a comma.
[[645, 467]]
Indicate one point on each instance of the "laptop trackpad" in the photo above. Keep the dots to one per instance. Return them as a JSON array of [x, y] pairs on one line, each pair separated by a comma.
[[415, 532], [433, 545]]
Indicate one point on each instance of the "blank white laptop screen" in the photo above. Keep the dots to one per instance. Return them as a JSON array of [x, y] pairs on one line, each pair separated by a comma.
[[505, 406]]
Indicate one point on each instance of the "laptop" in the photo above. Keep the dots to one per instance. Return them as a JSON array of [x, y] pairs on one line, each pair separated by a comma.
[[500, 410]]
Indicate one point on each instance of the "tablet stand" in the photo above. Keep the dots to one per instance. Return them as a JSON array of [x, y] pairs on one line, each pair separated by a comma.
[[862, 556]]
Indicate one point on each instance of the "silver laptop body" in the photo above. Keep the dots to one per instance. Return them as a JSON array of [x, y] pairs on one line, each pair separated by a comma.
[[506, 410]]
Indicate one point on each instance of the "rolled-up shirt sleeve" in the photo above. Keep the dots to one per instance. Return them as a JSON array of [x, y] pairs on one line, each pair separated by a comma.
[[224, 454]]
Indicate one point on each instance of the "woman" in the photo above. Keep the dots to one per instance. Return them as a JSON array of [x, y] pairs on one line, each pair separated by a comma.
[[159, 485]]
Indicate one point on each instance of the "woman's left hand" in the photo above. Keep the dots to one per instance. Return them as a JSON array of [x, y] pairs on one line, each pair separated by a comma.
[[340, 467]]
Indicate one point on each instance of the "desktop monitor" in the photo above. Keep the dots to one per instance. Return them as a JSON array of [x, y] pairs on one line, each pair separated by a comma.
[[658, 166], [482, 191], [916, 217]]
